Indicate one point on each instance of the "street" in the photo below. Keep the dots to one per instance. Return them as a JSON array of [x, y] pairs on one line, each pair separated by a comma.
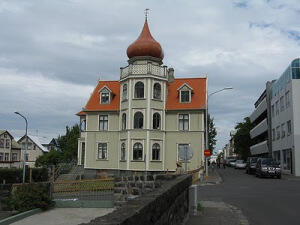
[[262, 200]]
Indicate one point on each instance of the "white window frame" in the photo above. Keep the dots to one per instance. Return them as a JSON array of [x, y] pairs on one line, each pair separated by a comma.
[[178, 121], [105, 90], [161, 91], [124, 97], [131, 152], [160, 151], [137, 81], [98, 151], [124, 151], [144, 125], [107, 122], [287, 99], [289, 127]]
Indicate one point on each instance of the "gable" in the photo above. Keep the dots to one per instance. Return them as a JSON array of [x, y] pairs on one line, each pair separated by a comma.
[[198, 98], [93, 103]]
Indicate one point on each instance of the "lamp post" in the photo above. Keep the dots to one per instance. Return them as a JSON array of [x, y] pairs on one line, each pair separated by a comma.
[[206, 123], [26, 145]]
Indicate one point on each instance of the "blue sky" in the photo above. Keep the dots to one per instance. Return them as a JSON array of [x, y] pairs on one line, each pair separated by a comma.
[[53, 52]]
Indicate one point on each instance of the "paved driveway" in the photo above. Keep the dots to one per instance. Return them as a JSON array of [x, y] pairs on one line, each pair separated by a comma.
[[64, 216], [262, 201]]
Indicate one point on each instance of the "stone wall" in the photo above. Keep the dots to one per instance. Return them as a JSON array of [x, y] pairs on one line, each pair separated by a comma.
[[168, 204]]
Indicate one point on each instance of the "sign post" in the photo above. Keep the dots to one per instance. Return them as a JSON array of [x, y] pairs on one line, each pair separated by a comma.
[[185, 153], [207, 153]]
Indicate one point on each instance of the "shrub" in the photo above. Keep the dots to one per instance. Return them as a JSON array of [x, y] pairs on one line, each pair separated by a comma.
[[13, 175], [30, 196]]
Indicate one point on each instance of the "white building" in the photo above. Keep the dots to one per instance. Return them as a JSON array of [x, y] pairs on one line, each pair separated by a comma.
[[285, 113]]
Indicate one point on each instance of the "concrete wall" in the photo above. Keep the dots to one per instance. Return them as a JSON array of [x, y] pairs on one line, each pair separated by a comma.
[[167, 205]]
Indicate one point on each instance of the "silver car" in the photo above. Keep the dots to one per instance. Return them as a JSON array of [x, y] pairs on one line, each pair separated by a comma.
[[240, 164]]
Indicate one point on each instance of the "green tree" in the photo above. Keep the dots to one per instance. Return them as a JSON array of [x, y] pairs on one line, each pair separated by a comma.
[[212, 133], [242, 139], [68, 149]]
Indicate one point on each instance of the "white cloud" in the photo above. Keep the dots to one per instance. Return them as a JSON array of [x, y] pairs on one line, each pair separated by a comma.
[[52, 52]]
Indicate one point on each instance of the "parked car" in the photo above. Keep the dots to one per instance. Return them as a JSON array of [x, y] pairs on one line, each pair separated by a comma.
[[232, 162], [267, 167], [240, 164], [229, 159], [251, 165]]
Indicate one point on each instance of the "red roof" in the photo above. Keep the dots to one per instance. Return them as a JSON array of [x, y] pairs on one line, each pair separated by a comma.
[[197, 102], [94, 101]]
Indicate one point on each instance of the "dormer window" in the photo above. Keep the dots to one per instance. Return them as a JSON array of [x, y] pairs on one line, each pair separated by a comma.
[[185, 96], [104, 98], [105, 95], [185, 93]]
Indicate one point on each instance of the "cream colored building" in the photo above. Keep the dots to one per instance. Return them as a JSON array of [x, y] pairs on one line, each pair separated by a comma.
[[34, 149], [10, 151], [141, 121]]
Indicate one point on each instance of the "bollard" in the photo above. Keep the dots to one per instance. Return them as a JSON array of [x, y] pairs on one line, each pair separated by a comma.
[[195, 202]]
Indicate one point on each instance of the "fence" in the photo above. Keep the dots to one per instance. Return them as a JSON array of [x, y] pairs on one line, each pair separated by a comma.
[[84, 193]]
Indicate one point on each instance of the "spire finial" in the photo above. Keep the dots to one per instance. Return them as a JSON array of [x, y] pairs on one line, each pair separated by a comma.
[[146, 13]]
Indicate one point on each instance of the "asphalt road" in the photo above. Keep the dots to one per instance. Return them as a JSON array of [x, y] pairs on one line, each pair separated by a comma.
[[263, 201]]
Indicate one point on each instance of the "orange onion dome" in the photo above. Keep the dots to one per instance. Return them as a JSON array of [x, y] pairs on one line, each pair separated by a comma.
[[145, 45]]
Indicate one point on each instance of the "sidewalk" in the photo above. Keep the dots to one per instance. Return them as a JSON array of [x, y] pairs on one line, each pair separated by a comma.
[[215, 213], [212, 178]]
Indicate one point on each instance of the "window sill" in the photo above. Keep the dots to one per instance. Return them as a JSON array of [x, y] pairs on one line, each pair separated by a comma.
[[156, 161], [124, 100], [139, 99], [124, 160], [101, 159], [137, 160], [156, 99]]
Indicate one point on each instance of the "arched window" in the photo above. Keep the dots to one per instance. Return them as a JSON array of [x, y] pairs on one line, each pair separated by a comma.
[[124, 121], [157, 91], [137, 151], [155, 151], [138, 120], [156, 121], [123, 152], [124, 91], [139, 90]]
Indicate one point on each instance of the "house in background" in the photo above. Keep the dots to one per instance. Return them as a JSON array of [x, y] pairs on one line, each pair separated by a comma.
[[35, 149], [52, 145], [140, 122], [10, 151]]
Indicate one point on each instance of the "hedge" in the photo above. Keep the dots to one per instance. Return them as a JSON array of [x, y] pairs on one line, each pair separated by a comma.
[[13, 175], [30, 196]]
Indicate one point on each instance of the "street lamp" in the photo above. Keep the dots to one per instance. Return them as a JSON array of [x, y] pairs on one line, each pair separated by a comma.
[[26, 144], [206, 123]]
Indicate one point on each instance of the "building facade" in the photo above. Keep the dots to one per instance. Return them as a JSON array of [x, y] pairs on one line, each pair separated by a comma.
[[34, 149], [285, 114], [10, 151], [140, 122]]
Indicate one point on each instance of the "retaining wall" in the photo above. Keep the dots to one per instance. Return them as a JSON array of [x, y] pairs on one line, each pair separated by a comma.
[[168, 204]]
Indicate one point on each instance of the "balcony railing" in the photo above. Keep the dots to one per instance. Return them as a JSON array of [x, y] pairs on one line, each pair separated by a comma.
[[259, 129], [259, 148], [259, 110], [143, 69]]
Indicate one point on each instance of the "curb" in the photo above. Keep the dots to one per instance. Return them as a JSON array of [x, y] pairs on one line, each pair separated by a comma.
[[19, 216]]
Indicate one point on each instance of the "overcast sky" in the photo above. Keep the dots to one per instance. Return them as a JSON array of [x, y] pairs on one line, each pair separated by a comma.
[[53, 52]]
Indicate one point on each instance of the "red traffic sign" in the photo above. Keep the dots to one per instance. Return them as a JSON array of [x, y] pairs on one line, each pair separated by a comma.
[[207, 152]]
